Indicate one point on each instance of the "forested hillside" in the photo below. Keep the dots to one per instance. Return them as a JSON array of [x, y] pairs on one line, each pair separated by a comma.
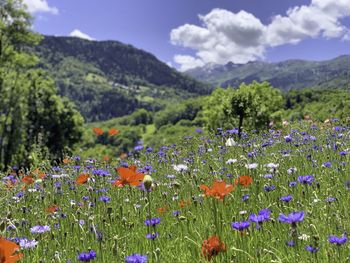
[[110, 79]]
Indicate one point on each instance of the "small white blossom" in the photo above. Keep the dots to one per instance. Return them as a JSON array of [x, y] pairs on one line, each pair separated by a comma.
[[230, 142]]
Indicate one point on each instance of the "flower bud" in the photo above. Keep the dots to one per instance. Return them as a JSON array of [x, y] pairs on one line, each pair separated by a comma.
[[147, 182]]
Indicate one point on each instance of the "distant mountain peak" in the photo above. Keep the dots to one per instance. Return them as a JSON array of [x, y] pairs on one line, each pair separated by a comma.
[[289, 74]]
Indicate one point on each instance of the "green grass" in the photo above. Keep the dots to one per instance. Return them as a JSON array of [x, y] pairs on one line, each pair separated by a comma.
[[121, 221]]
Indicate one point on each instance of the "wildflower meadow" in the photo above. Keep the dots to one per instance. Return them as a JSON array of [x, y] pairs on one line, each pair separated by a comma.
[[279, 196]]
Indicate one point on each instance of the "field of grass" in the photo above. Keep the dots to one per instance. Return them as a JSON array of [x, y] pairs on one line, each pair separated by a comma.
[[281, 196]]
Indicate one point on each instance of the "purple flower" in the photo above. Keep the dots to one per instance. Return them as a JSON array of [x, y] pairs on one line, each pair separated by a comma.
[[87, 256], [338, 240], [331, 199], [269, 188], [105, 199], [286, 198], [263, 215], [312, 249], [245, 198], [307, 179], [292, 218], [26, 244], [292, 184], [290, 243], [152, 222], [343, 153], [136, 258], [327, 164], [39, 229], [152, 236], [240, 226], [288, 138]]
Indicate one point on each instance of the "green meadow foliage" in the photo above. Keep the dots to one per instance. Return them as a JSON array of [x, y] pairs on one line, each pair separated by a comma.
[[279, 196]]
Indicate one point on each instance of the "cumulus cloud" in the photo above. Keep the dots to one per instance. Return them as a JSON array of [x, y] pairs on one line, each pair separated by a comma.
[[40, 6], [225, 36], [79, 34]]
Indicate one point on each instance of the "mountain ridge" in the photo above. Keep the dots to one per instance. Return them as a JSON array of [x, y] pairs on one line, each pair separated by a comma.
[[99, 74], [288, 74]]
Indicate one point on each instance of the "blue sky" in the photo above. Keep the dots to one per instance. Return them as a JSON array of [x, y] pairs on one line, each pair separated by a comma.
[[189, 33]]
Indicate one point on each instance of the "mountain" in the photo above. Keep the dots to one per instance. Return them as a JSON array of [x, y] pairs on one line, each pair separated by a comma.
[[109, 79], [290, 74]]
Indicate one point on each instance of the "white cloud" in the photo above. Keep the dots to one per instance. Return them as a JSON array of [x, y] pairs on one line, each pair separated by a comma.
[[79, 34], [225, 36], [40, 6]]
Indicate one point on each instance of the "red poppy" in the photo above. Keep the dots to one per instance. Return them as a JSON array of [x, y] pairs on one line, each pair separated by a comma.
[[8, 250], [212, 247], [244, 180], [82, 179], [52, 209], [219, 189], [113, 131], [106, 158], [162, 210], [184, 203], [66, 160], [128, 176], [28, 179], [98, 131]]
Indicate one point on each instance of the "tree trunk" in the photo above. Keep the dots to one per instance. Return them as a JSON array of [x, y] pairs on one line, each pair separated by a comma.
[[240, 125]]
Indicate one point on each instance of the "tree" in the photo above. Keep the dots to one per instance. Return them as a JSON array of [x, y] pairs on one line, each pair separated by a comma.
[[30, 110], [257, 103]]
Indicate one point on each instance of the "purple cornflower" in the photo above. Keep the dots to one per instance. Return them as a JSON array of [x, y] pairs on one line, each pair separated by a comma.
[[105, 199], [152, 222], [136, 258], [327, 164], [307, 179], [292, 218], [343, 153], [290, 243], [264, 215], [138, 148], [312, 249], [240, 226], [286, 198], [176, 213], [288, 138], [269, 188], [39, 229], [245, 198], [152, 236], [87, 256], [292, 184], [26, 244], [331, 199], [338, 240]]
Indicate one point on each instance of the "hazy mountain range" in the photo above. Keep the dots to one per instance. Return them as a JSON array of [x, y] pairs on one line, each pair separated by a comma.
[[290, 74]]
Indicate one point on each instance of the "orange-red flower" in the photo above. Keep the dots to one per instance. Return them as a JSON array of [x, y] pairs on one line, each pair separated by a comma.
[[98, 131], [52, 209], [162, 210], [106, 158], [8, 250], [128, 176], [82, 179], [212, 247], [66, 160], [244, 180], [28, 179], [184, 203], [219, 189], [113, 131]]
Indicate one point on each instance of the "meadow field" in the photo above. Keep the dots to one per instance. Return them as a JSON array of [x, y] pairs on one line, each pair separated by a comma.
[[279, 196]]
